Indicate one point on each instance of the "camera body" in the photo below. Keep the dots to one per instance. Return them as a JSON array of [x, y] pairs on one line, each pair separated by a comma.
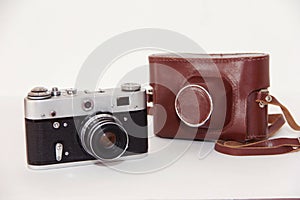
[[201, 96], [70, 127]]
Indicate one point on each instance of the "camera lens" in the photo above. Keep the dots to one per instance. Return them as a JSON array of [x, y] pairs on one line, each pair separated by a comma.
[[103, 137], [108, 140]]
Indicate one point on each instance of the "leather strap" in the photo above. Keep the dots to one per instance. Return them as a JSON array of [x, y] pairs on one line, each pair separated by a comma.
[[288, 116], [267, 146]]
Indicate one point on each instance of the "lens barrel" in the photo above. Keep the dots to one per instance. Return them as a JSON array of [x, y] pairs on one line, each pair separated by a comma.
[[103, 137]]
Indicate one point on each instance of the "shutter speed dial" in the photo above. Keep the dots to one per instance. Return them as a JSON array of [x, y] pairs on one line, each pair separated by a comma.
[[130, 87]]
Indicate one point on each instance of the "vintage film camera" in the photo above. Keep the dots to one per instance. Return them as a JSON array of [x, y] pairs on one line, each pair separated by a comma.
[[70, 127]]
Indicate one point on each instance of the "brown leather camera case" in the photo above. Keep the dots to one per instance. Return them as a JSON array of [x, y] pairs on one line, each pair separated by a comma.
[[220, 97], [237, 115]]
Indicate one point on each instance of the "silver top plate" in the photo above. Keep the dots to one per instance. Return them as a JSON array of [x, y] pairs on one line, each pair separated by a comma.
[[67, 105]]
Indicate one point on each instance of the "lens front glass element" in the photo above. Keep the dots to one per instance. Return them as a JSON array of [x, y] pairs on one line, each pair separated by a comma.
[[108, 140]]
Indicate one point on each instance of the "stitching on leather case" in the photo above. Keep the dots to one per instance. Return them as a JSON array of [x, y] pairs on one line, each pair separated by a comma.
[[212, 60]]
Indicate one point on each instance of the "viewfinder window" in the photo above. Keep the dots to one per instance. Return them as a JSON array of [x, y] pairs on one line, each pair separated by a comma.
[[122, 101]]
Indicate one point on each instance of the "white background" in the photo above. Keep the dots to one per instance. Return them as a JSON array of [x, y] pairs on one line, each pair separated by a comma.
[[46, 42]]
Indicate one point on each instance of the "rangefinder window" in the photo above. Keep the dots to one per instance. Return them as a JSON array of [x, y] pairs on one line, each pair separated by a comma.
[[123, 101]]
